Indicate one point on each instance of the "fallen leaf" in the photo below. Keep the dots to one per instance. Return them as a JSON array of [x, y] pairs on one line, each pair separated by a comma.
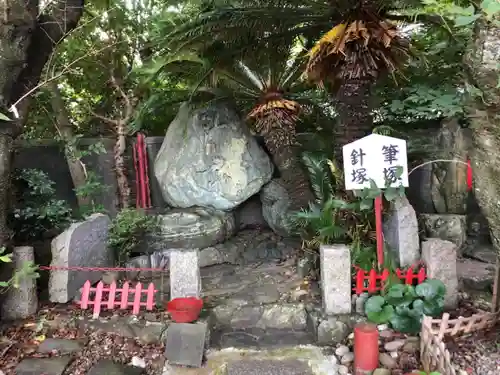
[[40, 338]]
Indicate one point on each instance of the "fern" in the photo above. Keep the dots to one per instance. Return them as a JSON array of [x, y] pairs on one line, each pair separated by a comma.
[[320, 178]]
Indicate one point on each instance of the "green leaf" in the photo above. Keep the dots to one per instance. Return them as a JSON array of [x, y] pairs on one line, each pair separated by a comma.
[[431, 289], [405, 323], [434, 308], [377, 310], [490, 7], [391, 194], [366, 204], [4, 284], [4, 117], [6, 258], [466, 20]]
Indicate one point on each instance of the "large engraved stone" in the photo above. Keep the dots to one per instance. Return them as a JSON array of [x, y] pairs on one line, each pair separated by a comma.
[[83, 244]]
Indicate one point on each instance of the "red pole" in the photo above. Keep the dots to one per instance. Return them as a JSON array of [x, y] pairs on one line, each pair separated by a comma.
[[378, 229], [137, 198], [366, 353]]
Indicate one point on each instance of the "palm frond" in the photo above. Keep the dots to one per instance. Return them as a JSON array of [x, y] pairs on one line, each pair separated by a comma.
[[319, 176]]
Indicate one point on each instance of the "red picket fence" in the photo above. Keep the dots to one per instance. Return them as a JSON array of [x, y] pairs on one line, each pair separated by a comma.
[[111, 297], [372, 281]]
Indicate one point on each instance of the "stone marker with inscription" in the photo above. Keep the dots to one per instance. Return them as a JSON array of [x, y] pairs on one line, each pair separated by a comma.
[[185, 343], [185, 279], [83, 244]]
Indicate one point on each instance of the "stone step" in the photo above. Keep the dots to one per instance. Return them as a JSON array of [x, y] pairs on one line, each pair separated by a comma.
[[258, 338], [268, 367], [267, 316]]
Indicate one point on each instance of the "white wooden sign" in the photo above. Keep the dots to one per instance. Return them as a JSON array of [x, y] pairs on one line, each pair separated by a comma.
[[375, 157]]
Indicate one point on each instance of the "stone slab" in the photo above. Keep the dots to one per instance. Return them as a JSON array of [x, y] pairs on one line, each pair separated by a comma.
[[335, 264], [83, 244], [440, 258], [268, 367], [43, 366], [185, 344], [451, 228], [185, 279], [108, 367], [401, 233], [59, 345]]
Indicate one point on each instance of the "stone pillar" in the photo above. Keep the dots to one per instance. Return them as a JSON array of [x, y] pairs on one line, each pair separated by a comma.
[[401, 232], [185, 279], [440, 258], [335, 263], [21, 302]]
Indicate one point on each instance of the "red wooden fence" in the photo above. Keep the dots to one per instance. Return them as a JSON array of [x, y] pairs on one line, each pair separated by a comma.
[[372, 281], [111, 297]]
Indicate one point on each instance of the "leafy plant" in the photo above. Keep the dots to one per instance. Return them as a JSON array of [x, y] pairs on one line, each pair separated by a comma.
[[403, 306], [128, 230], [28, 270], [92, 189], [36, 211]]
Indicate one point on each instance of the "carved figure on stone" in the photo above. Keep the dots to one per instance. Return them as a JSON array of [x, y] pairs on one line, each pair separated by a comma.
[[449, 180], [209, 159]]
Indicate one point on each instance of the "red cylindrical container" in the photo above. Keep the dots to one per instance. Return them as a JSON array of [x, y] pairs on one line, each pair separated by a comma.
[[365, 348]]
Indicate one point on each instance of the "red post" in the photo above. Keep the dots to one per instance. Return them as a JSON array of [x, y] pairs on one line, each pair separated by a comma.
[[378, 229], [366, 351]]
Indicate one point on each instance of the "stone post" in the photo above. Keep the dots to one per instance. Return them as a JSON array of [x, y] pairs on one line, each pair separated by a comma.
[[440, 258], [21, 302], [185, 279], [335, 263]]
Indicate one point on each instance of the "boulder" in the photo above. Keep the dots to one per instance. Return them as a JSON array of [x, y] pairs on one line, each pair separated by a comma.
[[209, 159], [193, 228], [276, 207], [452, 228], [449, 180]]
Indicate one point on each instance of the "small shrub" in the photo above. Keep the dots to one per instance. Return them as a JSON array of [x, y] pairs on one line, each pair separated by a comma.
[[127, 232], [36, 211], [29, 270], [404, 306]]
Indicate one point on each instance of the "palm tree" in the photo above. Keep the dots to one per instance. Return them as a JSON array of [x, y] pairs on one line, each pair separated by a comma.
[[355, 44], [269, 89]]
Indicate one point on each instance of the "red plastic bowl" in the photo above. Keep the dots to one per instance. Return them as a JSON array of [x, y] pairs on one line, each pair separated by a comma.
[[185, 310]]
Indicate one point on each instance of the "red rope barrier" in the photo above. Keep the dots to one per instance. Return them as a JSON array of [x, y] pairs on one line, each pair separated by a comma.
[[100, 269]]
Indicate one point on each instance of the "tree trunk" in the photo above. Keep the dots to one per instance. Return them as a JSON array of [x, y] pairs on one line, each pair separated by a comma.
[[120, 166], [6, 147], [75, 165], [355, 120], [293, 177], [482, 62], [28, 36]]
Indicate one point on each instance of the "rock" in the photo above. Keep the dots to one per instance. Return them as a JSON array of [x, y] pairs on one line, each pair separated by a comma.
[[360, 303], [411, 346], [185, 344], [451, 228], [393, 346], [347, 358], [401, 232], [382, 371], [341, 350], [449, 180], [108, 367], [63, 346], [83, 244], [440, 257], [332, 331], [387, 361], [192, 228], [483, 253], [272, 316], [386, 334], [343, 370], [209, 159], [185, 279], [43, 366], [335, 266], [476, 275], [276, 207], [304, 266], [22, 301], [138, 362], [249, 214]]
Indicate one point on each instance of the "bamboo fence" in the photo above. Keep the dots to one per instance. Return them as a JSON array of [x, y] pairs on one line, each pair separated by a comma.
[[433, 352]]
